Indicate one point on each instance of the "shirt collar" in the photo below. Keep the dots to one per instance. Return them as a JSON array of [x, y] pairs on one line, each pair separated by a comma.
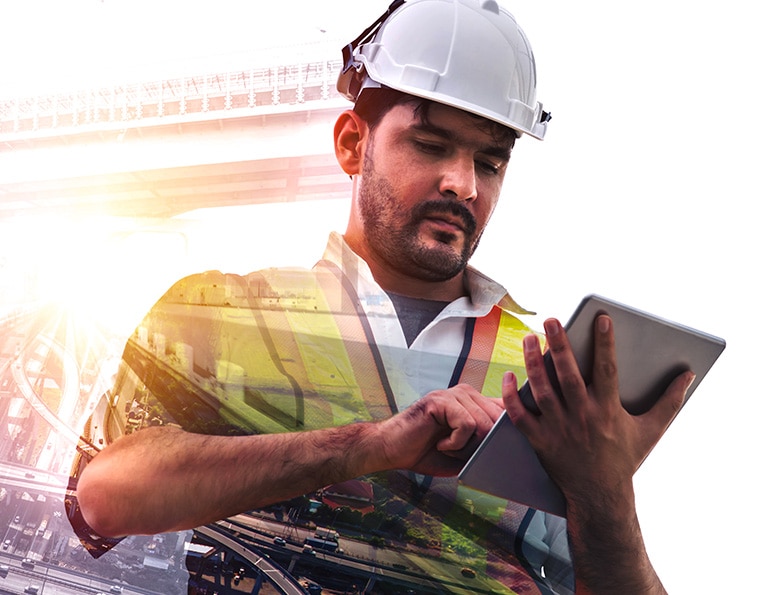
[[484, 292]]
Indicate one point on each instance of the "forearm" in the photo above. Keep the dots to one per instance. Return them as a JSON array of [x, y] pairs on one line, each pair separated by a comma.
[[164, 479], [607, 547]]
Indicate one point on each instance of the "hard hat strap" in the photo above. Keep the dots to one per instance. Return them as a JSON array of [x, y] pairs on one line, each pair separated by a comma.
[[348, 51]]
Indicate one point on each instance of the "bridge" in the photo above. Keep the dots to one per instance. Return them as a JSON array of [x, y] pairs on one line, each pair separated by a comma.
[[162, 147]]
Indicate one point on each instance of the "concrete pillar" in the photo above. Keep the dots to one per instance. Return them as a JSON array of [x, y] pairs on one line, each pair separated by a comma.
[[258, 584]]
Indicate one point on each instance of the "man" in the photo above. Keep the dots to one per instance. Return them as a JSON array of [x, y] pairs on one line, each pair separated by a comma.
[[385, 354]]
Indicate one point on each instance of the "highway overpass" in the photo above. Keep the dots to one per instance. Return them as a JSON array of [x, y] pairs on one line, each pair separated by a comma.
[[157, 148]]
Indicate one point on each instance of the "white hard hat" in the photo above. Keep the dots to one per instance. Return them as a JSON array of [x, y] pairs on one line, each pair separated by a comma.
[[469, 54]]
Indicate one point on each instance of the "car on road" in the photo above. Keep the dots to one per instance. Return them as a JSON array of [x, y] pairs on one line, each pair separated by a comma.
[[279, 541], [307, 549], [32, 589], [27, 563]]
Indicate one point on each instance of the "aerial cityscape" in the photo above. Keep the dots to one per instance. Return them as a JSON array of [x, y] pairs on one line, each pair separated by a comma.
[[63, 395]]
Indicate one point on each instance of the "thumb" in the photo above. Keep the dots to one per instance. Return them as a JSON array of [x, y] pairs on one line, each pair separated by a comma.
[[669, 404]]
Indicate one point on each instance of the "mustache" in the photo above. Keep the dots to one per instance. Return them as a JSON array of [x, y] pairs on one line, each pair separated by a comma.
[[430, 208]]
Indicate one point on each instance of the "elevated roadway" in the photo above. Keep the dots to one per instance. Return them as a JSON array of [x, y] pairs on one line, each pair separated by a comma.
[[54, 580], [159, 148], [367, 563], [283, 581]]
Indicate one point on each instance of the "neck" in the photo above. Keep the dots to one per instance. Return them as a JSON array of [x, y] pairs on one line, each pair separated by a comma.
[[394, 281], [445, 291]]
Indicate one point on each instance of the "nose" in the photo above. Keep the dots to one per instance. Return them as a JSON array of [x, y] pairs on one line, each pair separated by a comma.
[[459, 178]]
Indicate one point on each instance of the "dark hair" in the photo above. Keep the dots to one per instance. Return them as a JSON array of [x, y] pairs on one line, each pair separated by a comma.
[[373, 104]]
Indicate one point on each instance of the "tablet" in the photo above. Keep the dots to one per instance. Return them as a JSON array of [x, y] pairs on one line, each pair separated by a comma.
[[651, 352]]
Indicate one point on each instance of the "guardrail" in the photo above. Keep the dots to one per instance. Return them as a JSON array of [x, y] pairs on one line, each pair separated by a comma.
[[184, 96]]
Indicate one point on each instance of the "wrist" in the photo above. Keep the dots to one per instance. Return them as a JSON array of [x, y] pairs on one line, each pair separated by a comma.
[[357, 449], [371, 453], [615, 503]]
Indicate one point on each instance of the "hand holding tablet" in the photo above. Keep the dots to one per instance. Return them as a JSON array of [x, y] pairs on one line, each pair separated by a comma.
[[650, 353]]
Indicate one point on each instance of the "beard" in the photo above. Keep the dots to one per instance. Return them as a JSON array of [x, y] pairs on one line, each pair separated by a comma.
[[394, 235]]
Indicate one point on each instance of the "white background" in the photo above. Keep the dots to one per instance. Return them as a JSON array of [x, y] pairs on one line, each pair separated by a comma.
[[648, 189]]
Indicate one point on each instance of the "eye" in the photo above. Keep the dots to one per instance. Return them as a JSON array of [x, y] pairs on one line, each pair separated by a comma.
[[428, 148], [488, 167]]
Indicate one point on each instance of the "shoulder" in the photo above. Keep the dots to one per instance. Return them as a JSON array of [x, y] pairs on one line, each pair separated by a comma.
[[208, 288]]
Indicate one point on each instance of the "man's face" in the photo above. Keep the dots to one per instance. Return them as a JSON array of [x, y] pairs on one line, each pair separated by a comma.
[[428, 189]]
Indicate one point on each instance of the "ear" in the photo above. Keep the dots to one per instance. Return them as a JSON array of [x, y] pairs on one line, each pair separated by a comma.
[[350, 135]]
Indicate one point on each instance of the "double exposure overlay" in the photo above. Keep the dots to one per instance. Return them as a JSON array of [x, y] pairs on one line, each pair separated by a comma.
[[100, 339]]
